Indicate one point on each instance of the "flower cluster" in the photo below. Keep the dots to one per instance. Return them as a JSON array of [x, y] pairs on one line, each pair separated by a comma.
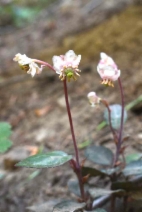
[[108, 70], [27, 64], [67, 65]]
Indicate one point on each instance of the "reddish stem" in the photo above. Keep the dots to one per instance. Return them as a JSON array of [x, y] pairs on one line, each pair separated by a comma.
[[122, 123], [78, 167], [44, 63]]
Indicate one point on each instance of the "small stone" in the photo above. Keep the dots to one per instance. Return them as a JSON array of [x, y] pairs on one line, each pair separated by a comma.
[[140, 135]]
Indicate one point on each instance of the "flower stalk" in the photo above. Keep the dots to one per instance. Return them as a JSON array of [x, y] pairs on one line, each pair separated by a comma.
[[77, 167], [44, 64], [118, 148]]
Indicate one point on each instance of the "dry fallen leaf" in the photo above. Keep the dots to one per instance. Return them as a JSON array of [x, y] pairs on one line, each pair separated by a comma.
[[42, 111], [32, 149]]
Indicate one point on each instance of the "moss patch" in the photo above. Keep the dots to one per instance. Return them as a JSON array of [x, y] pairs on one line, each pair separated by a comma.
[[120, 34]]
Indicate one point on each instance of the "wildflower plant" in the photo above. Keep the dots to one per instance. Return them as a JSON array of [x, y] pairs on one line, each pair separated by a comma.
[[124, 178]]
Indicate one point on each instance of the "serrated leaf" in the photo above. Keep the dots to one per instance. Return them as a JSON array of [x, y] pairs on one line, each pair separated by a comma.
[[92, 172], [133, 157], [116, 111], [99, 155], [97, 192], [5, 144], [68, 206], [133, 168], [51, 159], [74, 188]]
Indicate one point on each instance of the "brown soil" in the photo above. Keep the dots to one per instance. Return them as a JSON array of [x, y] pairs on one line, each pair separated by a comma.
[[23, 102]]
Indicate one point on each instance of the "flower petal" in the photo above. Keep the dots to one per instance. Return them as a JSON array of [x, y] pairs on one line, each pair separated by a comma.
[[70, 56], [76, 61], [58, 64], [107, 68]]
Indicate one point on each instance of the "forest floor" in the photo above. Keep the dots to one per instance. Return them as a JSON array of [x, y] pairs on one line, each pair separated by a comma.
[[36, 109]]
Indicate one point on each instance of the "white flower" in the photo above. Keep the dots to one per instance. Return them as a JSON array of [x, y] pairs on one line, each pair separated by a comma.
[[93, 99], [27, 64], [108, 70], [67, 65]]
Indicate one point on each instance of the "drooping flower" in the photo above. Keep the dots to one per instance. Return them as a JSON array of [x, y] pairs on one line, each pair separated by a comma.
[[108, 70], [94, 100], [27, 64], [67, 65]]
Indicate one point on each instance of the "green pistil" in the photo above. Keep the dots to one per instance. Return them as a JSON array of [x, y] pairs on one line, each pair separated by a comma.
[[69, 73]]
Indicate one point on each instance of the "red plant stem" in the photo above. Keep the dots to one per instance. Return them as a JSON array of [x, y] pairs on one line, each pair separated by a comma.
[[78, 167], [122, 123], [44, 63]]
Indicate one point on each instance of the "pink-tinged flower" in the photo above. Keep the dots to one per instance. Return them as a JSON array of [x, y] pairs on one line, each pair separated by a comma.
[[108, 70], [67, 65], [93, 99], [27, 64]]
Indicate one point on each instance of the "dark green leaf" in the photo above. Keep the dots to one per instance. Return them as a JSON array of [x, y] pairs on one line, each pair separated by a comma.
[[5, 144], [97, 210], [52, 159], [97, 192], [116, 111], [92, 172], [127, 186], [132, 157], [74, 187], [133, 168], [44, 206], [99, 155], [109, 171], [68, 206]]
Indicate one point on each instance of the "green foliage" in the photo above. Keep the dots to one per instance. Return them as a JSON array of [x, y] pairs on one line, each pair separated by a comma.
[[20, 13], [99, 155], [97, 192], [93, 172], [133, 168], [5, 132], [51, 159], [74, 188], [68, 206], [132, 157], [115, 115], [125, 185], [99, 210]]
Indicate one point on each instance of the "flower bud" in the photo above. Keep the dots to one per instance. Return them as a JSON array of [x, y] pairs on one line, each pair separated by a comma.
[[93, 99], [108, 70]]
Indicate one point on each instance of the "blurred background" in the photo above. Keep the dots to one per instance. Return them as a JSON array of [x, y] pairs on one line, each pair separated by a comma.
[[35, 107]]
